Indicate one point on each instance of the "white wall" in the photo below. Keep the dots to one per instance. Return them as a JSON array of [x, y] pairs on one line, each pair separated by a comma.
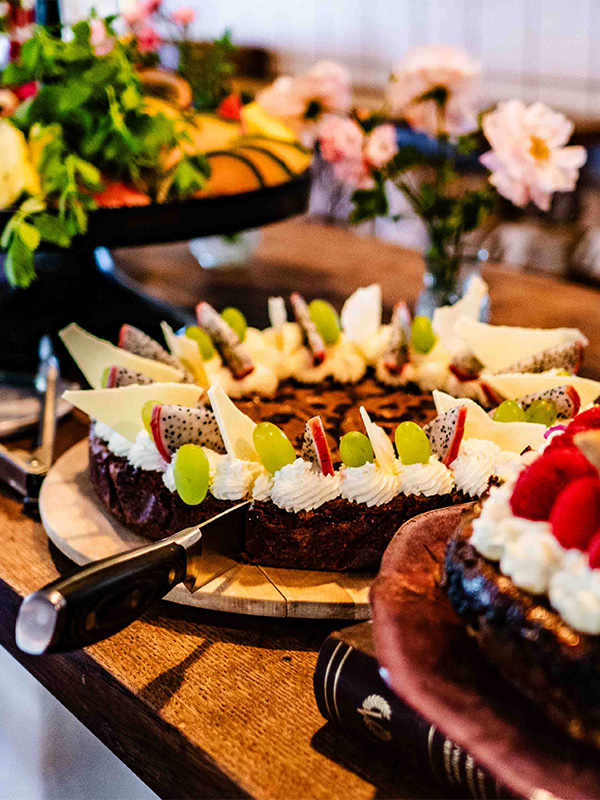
[[534, 49]]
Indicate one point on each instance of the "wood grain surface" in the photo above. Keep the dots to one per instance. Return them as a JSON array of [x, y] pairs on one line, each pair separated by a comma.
[[206, 704], [78, 523]]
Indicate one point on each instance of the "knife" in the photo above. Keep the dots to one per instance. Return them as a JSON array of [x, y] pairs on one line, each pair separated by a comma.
[[95, 601]]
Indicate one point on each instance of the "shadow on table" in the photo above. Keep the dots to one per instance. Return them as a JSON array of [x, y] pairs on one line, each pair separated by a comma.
[[390, 776]]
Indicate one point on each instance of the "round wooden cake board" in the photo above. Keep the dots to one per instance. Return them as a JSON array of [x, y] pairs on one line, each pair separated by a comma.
[[84, 530]]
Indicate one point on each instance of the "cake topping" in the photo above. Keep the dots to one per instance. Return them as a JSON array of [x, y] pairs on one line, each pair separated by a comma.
[[325, 317], [273, 447], [225, 339], [236, 321], [202, 339], [356, 449], [173, 426], [422, 336], [382, 447], [136, 341], [446, 432], [300, 487], [237, 429], [234, 478], [412, 444], [314, 340], [277, 312], [465, 366], [314, 446], [469, 306], [396, 352], [565, 356], [191, 474], [514, 386], [563, 401], [114, 377], [477, 462], [575, 515], [361, 314], [508, 411], [369, 484], [188, 352], [428, 479]]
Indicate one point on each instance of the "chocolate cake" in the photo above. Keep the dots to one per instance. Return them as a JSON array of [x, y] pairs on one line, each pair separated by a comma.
[[554, 666]]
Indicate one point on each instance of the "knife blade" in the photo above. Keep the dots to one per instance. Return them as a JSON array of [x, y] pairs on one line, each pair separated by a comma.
[[95, 601]]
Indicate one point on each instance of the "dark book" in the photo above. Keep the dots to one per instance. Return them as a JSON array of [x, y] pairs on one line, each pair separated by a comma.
[[351, 693]]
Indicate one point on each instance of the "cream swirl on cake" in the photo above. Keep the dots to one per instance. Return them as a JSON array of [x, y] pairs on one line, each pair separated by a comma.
[[300, 487], [369, 484], [234, 478], [427, 479]]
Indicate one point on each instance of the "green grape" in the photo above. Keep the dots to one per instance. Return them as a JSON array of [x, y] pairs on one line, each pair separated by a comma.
[[273, 447], [542, 411], [356, 449], [105, 376], [421, 334], [236, 320], [191, 474], [412, 444], [325, 317], [205, 345], [147, 410], [509, 411]]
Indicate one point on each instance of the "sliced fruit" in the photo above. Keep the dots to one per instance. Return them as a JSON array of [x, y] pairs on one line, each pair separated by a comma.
[[465, 366], [231, 107], [136, 341], [120, 376], [422, 335], [120, 195], [212, 133], [382, 446], [236, 428], [121, 409], [314, 340], [539, 485], [594, 551], [277, 312], [192, 474], [236, 321], [296, 157], [256, 120], [564, 356], [186, 350], [147, 410], [511, 436], [542, 410], [566, 401], [396, 351], [94, 355], [412, 444], [315, 447], [446, 432], [509, 411], [225, 340], [17, 172], [361, 313], [469, 306], [356, 449], [515, 386], [174, 425], [498, 346], [273, 170], [273, 447], [325, 317], [230, 173], [203, 340]]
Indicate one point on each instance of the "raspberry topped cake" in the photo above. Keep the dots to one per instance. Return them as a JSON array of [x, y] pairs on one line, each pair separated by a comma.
[[524, 575], [316, 418]]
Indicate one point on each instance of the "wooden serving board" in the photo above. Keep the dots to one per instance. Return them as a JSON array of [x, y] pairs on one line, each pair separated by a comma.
[[80, 526]]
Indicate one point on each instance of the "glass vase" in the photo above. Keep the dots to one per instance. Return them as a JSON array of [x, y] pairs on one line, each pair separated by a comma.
[[445, 281]]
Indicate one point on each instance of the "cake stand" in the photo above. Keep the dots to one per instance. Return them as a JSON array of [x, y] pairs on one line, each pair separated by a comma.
[[80, 284]]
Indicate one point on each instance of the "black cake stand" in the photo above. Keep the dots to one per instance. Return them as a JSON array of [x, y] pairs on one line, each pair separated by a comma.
[[80, 285]]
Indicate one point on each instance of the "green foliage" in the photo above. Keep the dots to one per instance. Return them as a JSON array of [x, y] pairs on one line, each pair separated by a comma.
[[88, 120], [208, 68]]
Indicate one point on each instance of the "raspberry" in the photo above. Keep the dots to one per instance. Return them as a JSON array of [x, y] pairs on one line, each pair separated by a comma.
[[594, 551], [539, 485], [575, 516]]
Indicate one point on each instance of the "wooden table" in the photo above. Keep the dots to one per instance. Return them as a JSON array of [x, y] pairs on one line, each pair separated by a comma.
[[208, 705]]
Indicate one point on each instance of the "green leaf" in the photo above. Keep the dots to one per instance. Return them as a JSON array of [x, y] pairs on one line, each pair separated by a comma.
[[406, 158], [29, 235], [19, 264], [52, 230]]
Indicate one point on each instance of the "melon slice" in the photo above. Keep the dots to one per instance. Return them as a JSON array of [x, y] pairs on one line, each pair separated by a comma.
[[230, 173], [513, 437], [272, 169], [446, 317], [236, 428], [499, 346], [121, 409], [256, 120], [512, 386], [380, 441], [296, 157], [93, 356], [361, 313], [213, 133], [187, 351]]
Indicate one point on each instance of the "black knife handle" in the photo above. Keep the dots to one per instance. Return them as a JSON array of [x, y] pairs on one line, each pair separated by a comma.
[[98, 600]]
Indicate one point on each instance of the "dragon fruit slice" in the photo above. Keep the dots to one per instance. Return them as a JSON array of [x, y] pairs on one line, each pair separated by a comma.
[[173, 426], [226, 340], [315, 447], [566, 399], [396, 352], [114, 377], [445, 433], [313, 338], [465, 366], [563, 356], [136, 341]]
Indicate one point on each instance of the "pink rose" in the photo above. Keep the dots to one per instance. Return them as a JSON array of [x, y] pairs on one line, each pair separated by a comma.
[[528, 159], [434, 68], [281, 99], [148, 40], [328, 85], [340, 139], [183, 16], [135, 15], [152, 6], [381, 145]]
